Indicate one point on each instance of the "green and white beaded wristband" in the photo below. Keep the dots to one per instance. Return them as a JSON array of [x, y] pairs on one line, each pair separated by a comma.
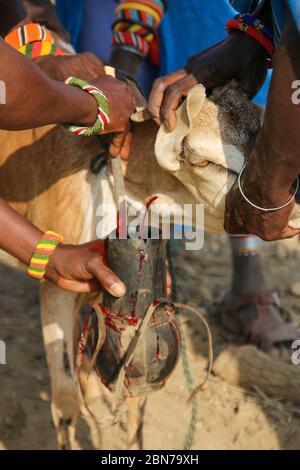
[[103, 109]]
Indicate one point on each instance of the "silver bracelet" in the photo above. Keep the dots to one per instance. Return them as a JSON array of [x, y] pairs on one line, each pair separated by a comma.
[[272, 209]]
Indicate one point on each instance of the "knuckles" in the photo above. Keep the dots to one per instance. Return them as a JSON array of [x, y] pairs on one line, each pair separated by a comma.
[[90, 57], [160, 84], [174, 90]]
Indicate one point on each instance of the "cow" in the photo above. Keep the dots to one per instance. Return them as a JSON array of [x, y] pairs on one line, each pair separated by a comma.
[[45, 174]]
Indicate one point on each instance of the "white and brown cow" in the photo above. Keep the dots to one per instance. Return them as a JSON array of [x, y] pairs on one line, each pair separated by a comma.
[[45, 175]]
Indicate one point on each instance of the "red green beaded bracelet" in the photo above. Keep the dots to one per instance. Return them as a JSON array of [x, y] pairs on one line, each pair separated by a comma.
[[103, 109]]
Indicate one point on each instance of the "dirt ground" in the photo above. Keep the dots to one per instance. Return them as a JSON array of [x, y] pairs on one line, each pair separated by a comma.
[[229, 418]]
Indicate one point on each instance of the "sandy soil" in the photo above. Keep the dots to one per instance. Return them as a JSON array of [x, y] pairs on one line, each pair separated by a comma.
[[229, 418]]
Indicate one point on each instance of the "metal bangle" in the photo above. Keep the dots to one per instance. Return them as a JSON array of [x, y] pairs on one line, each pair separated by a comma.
[[272, 209]]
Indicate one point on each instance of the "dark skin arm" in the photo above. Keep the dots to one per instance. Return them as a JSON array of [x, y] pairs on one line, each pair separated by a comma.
[[44, 101], [128, 63], [85, 65], [238, 56], [79, 268], [275, 161], [47, 101], [76, 268]]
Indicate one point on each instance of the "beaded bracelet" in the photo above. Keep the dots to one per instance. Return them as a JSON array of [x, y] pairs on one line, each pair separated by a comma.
[[41, 255], [142, 9], [132, 42], [137, 24], [27, 34], [103, 109], [252, 20], [255, 28], [40, 49], [156, 5], [33, 40], [143, 30]]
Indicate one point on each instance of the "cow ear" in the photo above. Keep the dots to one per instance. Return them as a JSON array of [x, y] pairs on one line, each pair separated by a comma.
[[195, 101]]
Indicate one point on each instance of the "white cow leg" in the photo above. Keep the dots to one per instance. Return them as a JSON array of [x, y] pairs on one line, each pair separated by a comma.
[[59, 310], [135, 420]]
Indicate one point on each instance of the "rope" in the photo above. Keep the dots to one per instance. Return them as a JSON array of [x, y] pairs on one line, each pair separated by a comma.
[[193, 390], [131, 350], [119, 186], [196, 312], [191, 430]]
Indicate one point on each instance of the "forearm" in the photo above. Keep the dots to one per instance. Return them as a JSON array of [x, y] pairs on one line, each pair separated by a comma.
[[276, 157], [240, 56], [17, 236], [33, 100]]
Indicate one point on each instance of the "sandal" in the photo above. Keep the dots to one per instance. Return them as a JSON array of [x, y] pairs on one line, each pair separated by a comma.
[[262, 323]]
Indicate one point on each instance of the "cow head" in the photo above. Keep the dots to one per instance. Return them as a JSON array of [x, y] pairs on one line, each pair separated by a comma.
[[208, 148], [206, 151]]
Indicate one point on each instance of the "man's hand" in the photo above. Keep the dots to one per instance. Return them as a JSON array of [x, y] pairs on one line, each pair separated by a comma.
[[128, 63], [268, 180], [83, 268], [241, 217], [121, 104], [84, 65], [237, 57]]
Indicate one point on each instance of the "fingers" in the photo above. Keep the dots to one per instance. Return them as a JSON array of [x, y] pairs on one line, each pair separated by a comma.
[[233, 228], [126, 148], [172, 98], [157, 93], [233, 224], [275, 236], [91, 66], [291, 232], [107, 279], [79, 287], [118, 141]]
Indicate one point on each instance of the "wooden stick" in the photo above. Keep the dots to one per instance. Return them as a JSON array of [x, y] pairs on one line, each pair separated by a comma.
[[119, 185], [246, 366]]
